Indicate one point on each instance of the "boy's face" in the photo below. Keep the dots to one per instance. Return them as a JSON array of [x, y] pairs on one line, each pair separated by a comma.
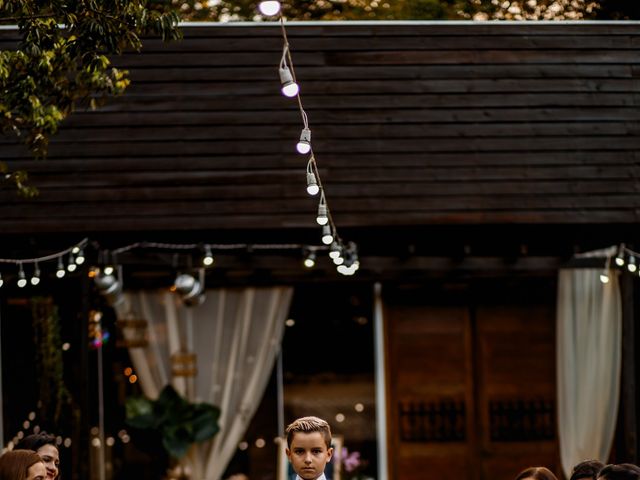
[[308, 454]]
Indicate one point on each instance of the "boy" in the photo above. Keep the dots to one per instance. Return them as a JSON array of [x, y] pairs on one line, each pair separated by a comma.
[[309, 447]]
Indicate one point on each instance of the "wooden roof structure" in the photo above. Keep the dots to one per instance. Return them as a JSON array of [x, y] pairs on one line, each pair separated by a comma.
[[428, 135]]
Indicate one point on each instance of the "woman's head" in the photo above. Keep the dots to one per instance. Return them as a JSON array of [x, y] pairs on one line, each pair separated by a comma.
[[22, 465], [44, 445], [536, 473]]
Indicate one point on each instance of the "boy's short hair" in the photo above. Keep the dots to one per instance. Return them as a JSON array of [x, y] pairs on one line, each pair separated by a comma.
[[309, 425], [621, 471], [586, 470], [537, 473]]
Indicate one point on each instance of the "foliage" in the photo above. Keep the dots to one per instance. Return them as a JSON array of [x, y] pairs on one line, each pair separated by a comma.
[[53, 394], [177, 421], [233, 10], [62, 62]]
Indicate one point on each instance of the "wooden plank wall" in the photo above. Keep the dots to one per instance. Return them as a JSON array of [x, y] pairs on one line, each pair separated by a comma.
[[413, 124]]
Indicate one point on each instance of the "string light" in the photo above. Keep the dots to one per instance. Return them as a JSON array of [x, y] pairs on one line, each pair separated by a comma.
[[269, 8], [1, 280], [624, 256], [22, 281], [207, 260], [37, 261], [291, 88], [35, 279], [310, 259]]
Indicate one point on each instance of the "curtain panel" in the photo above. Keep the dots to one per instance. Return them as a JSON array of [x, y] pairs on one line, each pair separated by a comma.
[[235, 336]]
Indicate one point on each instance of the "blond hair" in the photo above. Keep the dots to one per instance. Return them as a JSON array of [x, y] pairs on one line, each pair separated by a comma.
[[309, 425]]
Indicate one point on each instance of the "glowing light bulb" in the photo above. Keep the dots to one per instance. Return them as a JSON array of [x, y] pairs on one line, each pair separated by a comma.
[[312, 184], [327, 236], [289, 87], [304, 144], [269, 8]]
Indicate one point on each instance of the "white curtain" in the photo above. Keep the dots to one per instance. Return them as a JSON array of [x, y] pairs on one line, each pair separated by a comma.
[[236, 336], [589, 329]]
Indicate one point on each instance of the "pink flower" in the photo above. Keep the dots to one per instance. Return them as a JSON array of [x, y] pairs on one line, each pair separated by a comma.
[[350, 461]]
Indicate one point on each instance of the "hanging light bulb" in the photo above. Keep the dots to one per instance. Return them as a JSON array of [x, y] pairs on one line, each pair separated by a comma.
[[338, 261], [269, 8], [35, 279], [312, 184], [604, 278], [22, 280], [335, 250], [61, 271], [322, 218], [80, 257], [310, 259], [304, 144], [620, 257], [109, 269], [327, 236], [207, 260], [289, 87], [75, 249], [71, 266], [1, 280], [631, 266]]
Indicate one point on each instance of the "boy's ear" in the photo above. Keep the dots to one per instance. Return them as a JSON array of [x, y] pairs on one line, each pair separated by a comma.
[[288, 453], [330, 453]]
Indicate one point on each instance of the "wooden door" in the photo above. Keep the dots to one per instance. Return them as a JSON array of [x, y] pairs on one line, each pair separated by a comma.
[[470, 391]]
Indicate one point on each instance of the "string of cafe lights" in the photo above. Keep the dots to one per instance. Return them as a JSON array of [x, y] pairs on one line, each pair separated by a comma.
[[343, 254], [625, 259], [74, 258]]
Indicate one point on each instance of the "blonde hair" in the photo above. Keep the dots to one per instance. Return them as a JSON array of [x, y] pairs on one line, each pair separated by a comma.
[[309, 425]]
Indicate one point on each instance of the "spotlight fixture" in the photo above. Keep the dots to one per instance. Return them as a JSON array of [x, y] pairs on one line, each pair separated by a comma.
[[35, 279], [110, 287], [190, 289], [322, 218], [61, 271], [312, 184], [310, 259], [327, 235], [207, 260], [289, 87], [22, 280], [269, 8], [304, 144]]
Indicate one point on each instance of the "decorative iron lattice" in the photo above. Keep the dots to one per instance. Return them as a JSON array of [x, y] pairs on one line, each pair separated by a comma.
[[521, 420], [435, 421]]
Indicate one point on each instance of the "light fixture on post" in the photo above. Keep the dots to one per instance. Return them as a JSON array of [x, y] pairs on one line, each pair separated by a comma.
[[289, 87], [35, 279], [327, 235], [322, 218], [304, 144], [22, 280], [269, 7]]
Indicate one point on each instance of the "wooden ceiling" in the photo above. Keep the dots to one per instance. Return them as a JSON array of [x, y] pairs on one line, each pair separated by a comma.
[[418, 128]]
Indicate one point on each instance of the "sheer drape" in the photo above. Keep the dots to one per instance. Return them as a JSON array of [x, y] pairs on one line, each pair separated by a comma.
[[589, 329], [236, 335]]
